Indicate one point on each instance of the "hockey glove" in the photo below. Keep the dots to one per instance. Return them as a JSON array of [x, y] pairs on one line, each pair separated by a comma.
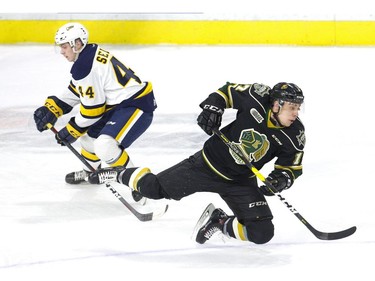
[[70, 133], [210, 118], [43, 116], [280, 180], [64, 136]]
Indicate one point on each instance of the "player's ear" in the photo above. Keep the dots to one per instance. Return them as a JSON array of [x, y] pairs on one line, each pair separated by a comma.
[[78, 44], [275, 105]]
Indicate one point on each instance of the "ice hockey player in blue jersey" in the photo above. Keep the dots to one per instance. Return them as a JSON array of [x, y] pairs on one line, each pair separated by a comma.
[[115, 106], [267, 128]]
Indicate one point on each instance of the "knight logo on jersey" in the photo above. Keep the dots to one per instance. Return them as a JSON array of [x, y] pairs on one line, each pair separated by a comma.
[[254, 144]]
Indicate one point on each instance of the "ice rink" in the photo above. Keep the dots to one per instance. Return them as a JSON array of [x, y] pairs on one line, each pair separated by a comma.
[[53, 231]]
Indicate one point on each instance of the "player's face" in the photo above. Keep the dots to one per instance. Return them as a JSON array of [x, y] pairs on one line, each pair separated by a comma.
[[288, 113], [67, 51]]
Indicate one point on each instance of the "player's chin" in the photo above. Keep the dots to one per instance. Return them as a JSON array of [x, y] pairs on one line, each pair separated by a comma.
[[289, 123]]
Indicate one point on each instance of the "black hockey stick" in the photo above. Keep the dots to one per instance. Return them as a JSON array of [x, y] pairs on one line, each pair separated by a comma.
[[320, 235], [140, 216]]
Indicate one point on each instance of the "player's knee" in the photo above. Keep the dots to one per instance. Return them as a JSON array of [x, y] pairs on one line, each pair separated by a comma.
[[150, 187], [87, 143], [107, 148], [260, 232]]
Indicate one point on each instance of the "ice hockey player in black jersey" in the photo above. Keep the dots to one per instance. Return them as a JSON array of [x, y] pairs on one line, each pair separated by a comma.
[[266, 126], [115, 106]]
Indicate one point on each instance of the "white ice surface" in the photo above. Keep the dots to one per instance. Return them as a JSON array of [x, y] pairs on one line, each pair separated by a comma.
[[52, 231]]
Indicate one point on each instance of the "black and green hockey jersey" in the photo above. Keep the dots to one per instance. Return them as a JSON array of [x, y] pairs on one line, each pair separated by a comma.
[[254, 131]]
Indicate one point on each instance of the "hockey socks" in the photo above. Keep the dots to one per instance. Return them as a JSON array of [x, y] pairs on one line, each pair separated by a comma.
[[131, 176]]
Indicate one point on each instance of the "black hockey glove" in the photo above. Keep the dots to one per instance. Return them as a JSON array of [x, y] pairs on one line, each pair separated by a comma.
[[43, 116], [279, 179], [210, 118]]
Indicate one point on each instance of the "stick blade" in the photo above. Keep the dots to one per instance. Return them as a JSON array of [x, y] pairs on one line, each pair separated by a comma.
[[152, 215], [335, 235]]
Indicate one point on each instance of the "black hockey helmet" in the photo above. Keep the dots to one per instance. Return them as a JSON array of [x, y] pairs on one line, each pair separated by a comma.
[[286, 92]]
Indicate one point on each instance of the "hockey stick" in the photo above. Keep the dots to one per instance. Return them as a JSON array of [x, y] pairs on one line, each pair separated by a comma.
[[320, 235], [140, 216]]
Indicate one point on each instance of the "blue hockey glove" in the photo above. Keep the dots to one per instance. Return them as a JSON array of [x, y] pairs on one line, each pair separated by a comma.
[[279, 179], [43, 116], [64, 136], [70, 133]]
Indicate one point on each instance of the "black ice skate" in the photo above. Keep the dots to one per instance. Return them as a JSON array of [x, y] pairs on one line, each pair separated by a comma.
[[105, 175], [77, 177], [110, 174], [215, 223]]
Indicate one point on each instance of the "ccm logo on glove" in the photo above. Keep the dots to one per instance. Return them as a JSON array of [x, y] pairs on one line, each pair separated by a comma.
[[213, 108]]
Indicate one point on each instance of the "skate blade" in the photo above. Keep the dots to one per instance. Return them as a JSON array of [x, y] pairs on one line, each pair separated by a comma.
[[203, 219]]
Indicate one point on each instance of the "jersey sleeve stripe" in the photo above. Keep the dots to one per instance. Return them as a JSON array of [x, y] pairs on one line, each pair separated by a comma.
[[228, 103]]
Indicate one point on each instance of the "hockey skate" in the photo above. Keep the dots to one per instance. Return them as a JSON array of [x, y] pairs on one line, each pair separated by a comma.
[[105, 175], [77, 177], [208, 227], [110, 174]]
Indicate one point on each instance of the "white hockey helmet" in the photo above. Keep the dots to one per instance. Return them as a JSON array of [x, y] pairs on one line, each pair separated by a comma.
[[69, 32]]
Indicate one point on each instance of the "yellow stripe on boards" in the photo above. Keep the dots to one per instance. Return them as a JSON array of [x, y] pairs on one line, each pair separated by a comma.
[[211, 32]]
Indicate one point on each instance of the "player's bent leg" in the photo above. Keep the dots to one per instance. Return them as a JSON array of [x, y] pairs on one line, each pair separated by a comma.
[[126, 125], [114, 155], [256, 231], [143, 181], [108, 149]]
